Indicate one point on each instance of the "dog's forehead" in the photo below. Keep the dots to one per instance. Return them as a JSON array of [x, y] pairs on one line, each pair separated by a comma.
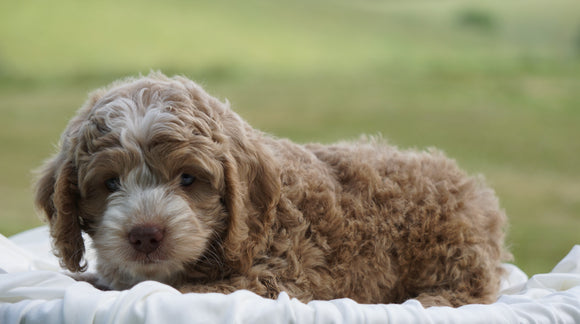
[[149, 122], [147, 126], [148, 115]]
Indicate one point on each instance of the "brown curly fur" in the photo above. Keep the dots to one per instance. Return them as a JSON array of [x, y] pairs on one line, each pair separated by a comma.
[[361, 219]]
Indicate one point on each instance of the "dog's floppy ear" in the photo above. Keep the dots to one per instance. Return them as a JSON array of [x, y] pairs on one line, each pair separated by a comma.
[[56, 194], [252, 193]]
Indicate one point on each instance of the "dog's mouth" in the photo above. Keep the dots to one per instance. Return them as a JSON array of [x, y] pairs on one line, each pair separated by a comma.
[[152, 267], [149, 260], [156, 257]]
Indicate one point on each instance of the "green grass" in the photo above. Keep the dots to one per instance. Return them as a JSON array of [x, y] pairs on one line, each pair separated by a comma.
[[493, 84]]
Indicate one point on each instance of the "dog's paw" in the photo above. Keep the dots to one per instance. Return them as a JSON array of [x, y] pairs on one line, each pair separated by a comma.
[[90, 277], [428, 300]]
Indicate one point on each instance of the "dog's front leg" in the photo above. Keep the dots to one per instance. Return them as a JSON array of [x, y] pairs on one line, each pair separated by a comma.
[[219, 287], [265, 288]]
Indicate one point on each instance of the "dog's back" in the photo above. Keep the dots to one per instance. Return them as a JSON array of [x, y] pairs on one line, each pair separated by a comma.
[[395, 224]]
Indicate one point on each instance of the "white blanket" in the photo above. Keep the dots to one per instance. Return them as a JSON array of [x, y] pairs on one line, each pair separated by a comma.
[[33, 290]]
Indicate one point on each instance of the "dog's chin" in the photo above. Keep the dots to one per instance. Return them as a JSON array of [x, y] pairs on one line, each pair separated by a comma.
[[131, 272]]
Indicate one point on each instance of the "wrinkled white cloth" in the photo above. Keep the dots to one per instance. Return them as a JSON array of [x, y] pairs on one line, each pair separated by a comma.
[[33, 290]]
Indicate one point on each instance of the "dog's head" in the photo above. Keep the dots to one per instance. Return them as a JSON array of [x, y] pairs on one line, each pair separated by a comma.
[[164, 178]]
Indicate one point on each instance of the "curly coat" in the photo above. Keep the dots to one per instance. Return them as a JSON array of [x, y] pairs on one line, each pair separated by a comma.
[[362, 220]]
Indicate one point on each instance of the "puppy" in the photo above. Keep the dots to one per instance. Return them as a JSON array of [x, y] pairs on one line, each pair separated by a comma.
[[173, 186]]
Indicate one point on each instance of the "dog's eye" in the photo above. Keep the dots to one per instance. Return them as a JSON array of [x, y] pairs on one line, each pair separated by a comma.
[[113, 184], [187, 180]]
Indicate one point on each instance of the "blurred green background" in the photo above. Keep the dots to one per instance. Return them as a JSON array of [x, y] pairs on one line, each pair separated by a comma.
[[495, 84]]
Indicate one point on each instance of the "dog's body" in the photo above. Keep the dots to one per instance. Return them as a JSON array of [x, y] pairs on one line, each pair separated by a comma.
[[174, 186]]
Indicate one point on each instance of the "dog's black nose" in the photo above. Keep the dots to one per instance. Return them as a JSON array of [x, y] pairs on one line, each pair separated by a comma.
[[146, 238]]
